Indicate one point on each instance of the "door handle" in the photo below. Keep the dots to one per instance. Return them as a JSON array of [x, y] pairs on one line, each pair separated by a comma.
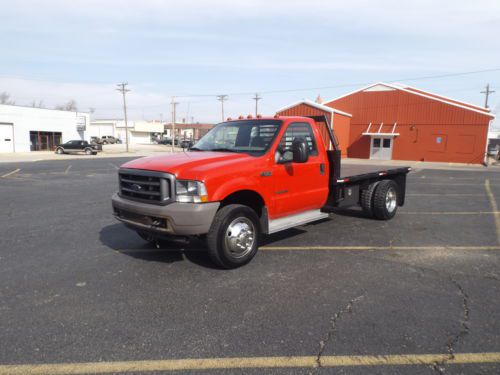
[[322, 168]]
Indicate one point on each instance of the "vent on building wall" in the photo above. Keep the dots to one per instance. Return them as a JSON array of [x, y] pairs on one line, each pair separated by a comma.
[[379, 88]]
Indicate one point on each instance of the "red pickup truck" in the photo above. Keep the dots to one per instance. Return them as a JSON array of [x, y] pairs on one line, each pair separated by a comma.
[[245, 178]]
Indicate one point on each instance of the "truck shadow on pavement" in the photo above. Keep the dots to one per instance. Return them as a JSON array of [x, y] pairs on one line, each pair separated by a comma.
[[120, 239], [124, 241]]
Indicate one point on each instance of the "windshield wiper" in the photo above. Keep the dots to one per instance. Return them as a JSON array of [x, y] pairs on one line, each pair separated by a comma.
[[195, 149], [223, 150]]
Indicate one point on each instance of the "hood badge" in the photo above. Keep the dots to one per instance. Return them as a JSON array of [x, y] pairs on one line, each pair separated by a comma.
[[266, 173]]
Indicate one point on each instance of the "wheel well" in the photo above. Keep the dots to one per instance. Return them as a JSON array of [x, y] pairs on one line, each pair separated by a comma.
[[246, 197]]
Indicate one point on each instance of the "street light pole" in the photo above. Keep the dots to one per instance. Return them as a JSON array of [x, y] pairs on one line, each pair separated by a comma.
[[122, 87], [174, 104], [257, 98], [222, 99]]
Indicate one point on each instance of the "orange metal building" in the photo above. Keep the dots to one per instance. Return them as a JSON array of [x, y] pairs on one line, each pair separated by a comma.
[[388, 121]]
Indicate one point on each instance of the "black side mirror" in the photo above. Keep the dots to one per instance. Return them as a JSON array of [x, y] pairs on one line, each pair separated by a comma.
[[300, 150]]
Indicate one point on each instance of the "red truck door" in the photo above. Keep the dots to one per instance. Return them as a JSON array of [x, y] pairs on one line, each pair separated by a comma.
[[299, 186]]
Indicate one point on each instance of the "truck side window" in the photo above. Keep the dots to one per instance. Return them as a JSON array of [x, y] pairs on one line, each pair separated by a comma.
[[296, 130]]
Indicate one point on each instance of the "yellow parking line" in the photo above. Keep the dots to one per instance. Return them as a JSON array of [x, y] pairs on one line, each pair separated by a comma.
[[445, 195], [418, 183], [494, 206], [10, 173], [449, 212], [366, 248], [246, 363]]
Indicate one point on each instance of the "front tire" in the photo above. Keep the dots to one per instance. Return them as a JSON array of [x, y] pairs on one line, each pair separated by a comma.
[[233, 237], [385, 200], [59, 151], [88, 151]]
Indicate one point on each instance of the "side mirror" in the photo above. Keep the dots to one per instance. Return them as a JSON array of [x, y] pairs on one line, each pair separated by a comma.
[[300, 150]]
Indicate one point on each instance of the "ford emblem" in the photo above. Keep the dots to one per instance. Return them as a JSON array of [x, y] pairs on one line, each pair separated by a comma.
[[136, 187]]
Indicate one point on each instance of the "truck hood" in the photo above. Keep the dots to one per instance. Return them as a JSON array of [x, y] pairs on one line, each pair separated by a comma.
[[190, 165]]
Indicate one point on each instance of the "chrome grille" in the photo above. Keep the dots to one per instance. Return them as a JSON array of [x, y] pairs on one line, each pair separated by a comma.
[[146, 186]]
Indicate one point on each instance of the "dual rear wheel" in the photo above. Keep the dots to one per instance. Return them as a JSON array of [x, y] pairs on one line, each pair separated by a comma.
[[380, 199]]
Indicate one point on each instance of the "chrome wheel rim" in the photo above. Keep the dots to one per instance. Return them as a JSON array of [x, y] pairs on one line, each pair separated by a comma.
[[390, 200], [240, 237]]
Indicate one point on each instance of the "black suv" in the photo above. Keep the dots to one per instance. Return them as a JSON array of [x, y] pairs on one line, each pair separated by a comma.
[[77, 146]]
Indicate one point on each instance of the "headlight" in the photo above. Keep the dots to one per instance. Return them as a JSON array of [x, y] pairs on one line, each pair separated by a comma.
[[188, 191]]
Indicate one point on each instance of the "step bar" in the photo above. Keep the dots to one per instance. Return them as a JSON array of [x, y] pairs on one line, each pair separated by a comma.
[[296, 220]]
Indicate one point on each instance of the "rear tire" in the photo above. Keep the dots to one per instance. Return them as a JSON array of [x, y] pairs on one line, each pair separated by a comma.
[[385, 200], [233, 237], [367, 199], [59, 151]]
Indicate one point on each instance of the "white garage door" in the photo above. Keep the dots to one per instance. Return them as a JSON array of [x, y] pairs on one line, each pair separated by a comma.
[[6, 138], [101, 130]]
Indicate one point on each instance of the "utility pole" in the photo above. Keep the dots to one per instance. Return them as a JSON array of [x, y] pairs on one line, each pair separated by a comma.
[[122, 87], [174, 104], [222, 99], [487, 93], [257, 98]]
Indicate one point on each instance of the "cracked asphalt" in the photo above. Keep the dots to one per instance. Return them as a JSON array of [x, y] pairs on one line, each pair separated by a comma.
[[76, 286]]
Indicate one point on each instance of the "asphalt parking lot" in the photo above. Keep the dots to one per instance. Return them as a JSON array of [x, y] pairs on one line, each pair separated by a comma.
[[419, 294]]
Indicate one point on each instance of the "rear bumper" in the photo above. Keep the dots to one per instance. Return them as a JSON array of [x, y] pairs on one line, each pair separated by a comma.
[[182, 219]]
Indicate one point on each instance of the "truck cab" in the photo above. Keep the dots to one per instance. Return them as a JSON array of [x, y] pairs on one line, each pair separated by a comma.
[[245, 178]]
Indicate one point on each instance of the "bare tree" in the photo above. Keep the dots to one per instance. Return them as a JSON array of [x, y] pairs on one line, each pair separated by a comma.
[[69, 106], [37, 104], [5, 98]]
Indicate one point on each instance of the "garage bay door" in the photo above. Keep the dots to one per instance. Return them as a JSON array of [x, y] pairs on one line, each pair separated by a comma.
[[6, 138]]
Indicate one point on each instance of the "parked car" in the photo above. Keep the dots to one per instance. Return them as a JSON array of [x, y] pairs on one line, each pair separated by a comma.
[[168, 141], [105, 139], [494, 149], [271, 174], [186, 143], [76, 146], [95, 140]]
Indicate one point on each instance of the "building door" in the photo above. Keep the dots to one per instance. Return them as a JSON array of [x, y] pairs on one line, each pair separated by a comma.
[[6, 138], [381, 148]]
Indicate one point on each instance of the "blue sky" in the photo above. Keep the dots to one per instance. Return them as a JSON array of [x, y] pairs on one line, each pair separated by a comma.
[[60, 50]]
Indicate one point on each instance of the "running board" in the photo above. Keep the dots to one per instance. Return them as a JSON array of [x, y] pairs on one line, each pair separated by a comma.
[[295, 220]]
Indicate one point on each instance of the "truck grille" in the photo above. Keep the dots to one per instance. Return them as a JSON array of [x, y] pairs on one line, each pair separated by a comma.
[[146, 186]]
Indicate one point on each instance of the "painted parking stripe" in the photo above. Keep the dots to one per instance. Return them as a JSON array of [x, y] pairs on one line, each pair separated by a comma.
[[494, 206], [367, 248], [67, 169], [449, 213], [326, 248], [10, 173], [445, 195], [247, 363]]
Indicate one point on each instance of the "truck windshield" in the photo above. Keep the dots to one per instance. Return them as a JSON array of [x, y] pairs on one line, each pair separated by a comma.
[[251, 137]]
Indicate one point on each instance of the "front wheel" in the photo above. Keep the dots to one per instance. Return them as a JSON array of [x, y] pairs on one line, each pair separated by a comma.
[[59, 151], [233, 237], [88, 151], [385, 200]]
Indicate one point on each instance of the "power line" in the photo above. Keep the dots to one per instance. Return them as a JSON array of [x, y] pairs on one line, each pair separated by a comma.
[[278, 91], [487, 93], [122, 87]]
